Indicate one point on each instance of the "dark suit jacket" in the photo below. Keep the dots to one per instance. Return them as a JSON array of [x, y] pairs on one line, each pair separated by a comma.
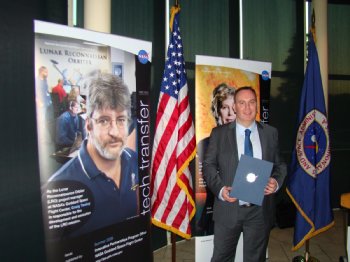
[[220, 164]]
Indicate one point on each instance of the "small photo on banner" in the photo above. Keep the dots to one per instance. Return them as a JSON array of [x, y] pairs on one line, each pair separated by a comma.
[[92, 107]]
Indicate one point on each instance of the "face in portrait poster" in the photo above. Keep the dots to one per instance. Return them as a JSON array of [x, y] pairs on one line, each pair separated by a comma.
[[92, 101], [217, 79]]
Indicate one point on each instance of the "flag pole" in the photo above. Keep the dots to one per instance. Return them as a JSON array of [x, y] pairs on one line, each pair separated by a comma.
[[307, 252], [173, 247], [313, 31], [173, 236]]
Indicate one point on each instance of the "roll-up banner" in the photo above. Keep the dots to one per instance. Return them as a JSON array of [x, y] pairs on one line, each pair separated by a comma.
[[93, 122], [216, 79]]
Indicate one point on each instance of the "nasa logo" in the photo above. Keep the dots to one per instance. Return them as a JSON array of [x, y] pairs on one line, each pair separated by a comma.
[[143, 57], [251, 177], [312, 144], [265, 75]]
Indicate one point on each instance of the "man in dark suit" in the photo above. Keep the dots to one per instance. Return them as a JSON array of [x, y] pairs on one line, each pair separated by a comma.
[[233, 216]]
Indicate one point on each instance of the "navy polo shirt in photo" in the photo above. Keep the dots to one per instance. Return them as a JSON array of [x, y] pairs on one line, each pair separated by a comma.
[[82, 199]]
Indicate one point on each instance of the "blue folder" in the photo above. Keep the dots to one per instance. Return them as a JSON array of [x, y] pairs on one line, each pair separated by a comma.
[[251, 178]]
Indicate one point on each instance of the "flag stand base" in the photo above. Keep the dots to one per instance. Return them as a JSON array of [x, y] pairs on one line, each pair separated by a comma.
[[305, 259]]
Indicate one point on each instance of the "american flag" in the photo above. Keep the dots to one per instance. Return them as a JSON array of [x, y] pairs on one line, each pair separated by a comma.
[[174, 144]]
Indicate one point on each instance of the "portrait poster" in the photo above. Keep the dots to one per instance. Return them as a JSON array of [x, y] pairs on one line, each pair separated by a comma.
[[89, 214], [211, 73]]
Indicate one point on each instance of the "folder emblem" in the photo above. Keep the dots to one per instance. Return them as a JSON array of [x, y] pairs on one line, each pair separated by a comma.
[[251, 177]]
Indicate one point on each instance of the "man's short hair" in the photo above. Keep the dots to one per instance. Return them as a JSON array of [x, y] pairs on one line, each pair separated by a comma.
[[245, 88], [106, 91]]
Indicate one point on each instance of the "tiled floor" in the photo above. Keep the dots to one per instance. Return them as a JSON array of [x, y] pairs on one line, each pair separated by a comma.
[[327, 246]]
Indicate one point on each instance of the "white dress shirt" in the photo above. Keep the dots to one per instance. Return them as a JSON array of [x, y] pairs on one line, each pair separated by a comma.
[[254, 138]]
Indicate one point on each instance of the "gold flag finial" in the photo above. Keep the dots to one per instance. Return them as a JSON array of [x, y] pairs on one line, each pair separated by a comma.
[[313, 27], [174, 10]]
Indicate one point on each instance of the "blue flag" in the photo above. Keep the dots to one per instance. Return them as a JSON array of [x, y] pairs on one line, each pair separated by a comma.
[[308, 178]]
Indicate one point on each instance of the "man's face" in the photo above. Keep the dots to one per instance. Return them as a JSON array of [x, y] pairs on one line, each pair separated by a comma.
[[108, 132], [245, 107], [75, 109], [44, 73]]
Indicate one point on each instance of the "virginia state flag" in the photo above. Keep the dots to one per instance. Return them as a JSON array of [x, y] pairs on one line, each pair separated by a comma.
[[308, 178]]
